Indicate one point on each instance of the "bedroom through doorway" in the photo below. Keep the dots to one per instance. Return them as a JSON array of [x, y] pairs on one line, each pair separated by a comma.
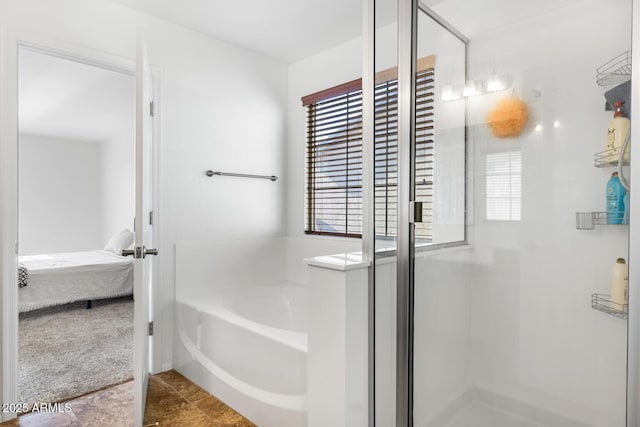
[[76, 202]]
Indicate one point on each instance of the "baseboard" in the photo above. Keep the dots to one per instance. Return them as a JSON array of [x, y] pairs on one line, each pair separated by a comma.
[[531, 412], [505, 404], [163, 368], [453, 409]]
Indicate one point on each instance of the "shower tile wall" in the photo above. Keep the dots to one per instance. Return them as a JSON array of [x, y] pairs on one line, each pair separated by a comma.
[[511, 315]]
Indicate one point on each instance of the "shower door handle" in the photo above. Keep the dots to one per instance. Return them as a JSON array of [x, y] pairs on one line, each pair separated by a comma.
[[415, 212]]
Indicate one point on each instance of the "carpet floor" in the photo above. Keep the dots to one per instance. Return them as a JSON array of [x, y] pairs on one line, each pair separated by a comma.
[[68, 351]]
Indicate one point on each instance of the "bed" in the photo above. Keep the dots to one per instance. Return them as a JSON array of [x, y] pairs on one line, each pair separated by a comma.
[[62, 278]]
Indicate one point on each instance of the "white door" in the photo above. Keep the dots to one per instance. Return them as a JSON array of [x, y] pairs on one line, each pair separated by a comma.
[[142, 266]]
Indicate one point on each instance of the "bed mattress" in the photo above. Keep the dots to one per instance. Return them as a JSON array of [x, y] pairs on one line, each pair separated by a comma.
[[67, 277]]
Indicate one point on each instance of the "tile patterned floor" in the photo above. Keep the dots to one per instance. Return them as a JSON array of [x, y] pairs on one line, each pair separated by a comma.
[[172, 400]]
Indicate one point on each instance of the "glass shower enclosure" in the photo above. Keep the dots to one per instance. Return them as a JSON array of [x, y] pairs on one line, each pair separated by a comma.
[[500, 223]]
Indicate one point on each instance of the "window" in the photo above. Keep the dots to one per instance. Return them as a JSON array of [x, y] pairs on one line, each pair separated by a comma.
[[503, 177], [334, 165], [334, 155]]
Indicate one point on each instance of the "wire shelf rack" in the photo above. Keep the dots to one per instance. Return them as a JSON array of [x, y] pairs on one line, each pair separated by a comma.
[[589, 220], [604, 304], [609, 158], [616, 71]]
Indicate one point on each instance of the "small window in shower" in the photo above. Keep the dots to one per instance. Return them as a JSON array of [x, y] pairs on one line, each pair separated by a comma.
[[503, 182]]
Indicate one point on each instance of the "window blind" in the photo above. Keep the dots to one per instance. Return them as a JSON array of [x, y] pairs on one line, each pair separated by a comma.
[[334, 165], [334, 156], [386, 154], [503, 178]]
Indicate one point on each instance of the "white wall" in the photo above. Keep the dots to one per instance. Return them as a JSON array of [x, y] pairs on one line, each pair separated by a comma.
[[511, 314], [74, 195], [534, 336], [210, 91], [117, 202], [59, 191], [300, 248], [208, 266], [330, 68]]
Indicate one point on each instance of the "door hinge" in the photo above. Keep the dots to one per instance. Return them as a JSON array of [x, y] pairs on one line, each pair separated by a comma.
[[17, 248], [150, 217], [152, 109], [150, 328]]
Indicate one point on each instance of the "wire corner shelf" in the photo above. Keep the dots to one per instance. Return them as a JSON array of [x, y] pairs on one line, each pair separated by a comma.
[[603, 303], [616, 71], [609, 158]]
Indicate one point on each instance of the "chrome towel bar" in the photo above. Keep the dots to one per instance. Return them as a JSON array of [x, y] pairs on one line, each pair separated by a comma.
[[241, 175]]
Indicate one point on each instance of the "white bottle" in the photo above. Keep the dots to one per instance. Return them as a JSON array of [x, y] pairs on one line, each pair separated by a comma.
[[620, 284], [619, 127]]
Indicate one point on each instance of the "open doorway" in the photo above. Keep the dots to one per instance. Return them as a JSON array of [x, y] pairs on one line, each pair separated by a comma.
[[76, 212]]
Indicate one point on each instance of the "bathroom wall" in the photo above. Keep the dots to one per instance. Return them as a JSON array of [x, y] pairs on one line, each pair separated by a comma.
[[209, 266], [329, 68], [534, 337], [300, 248], [208, 91], [59, 183]]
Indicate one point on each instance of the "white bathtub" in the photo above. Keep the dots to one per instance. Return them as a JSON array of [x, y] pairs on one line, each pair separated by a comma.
[[248, 347]]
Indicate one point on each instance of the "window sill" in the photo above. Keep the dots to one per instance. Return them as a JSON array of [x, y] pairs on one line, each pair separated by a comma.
[[332, 235], [428, 250]]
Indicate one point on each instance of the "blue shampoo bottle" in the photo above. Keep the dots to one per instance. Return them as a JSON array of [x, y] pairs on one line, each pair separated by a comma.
[[615, 200]]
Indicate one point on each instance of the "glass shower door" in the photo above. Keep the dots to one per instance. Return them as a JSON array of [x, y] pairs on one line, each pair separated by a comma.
[[513, 323], [385, 145], [496, 242], [397, 152], [441, 307]]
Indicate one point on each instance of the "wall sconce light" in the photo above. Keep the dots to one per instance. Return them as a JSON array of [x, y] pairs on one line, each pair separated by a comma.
[[471, 88], [495, 83], [457, 92], [498, 82], [447, 93]]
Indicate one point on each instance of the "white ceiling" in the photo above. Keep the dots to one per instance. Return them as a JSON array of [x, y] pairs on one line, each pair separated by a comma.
[[284, 29], [64, 99], [290, 30], [474, 17]]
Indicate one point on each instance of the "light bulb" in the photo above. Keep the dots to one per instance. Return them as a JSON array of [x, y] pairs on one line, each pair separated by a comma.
[[495, 83], [470, 89], [447, 93]]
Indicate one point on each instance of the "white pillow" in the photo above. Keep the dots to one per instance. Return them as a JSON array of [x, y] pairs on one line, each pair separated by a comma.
[[121, 240]]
